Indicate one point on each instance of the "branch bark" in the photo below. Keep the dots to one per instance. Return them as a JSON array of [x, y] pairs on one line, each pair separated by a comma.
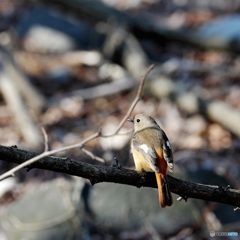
[[99, 173]]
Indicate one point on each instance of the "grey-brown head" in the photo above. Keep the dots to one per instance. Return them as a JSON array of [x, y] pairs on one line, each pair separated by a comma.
[[142, 121]]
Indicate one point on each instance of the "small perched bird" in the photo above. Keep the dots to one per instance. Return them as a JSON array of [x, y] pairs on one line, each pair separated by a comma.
[[152, 151]]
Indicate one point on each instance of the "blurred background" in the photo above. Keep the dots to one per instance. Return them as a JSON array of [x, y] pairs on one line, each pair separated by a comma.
[[73, 66]]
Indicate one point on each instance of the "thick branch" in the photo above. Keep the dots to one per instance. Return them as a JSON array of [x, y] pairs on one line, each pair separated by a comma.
[[98, 174]]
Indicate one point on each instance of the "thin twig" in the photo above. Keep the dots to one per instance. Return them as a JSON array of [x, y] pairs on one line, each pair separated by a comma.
[[134, 103], [45, 136], [48, 153], [93, 156], [86, 140]]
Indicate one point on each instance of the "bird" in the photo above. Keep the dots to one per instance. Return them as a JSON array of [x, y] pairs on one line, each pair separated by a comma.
[[151, 151]]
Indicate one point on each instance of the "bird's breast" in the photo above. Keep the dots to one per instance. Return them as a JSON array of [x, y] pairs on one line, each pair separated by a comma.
[[140, 163]]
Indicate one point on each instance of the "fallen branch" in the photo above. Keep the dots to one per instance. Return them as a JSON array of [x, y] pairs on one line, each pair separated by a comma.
[[121, 81], [142, 25], [33, 98], [15, 87], [22, 117], [97, 174]]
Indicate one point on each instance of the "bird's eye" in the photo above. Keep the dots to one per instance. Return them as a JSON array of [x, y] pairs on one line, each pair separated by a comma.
[[138, 120]]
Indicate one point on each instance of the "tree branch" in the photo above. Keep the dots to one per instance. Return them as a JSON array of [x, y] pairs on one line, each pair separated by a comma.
[[97, 174]]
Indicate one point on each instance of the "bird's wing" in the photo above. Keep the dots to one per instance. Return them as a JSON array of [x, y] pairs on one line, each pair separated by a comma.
[[149, 154], [167, 151]]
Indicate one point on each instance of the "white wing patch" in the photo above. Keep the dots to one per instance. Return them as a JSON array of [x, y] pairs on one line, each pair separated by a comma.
[[168, 144], [145, 148]]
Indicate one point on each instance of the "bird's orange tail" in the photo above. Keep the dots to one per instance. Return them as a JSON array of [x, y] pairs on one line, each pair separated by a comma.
[[165, 196]]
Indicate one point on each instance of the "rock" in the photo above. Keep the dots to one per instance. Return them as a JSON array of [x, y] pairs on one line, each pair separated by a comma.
[[46, 30], [116, 142], [123, 207], [46, 39], [45, 211], [222, 29], [6, 185]]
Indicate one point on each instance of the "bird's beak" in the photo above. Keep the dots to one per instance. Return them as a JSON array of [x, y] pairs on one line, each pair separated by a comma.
[[130, 120]]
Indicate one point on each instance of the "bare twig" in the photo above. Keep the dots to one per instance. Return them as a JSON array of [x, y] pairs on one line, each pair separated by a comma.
[[48, 153], [82, 143], [93, 156], [134, 103], [45, 136]]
